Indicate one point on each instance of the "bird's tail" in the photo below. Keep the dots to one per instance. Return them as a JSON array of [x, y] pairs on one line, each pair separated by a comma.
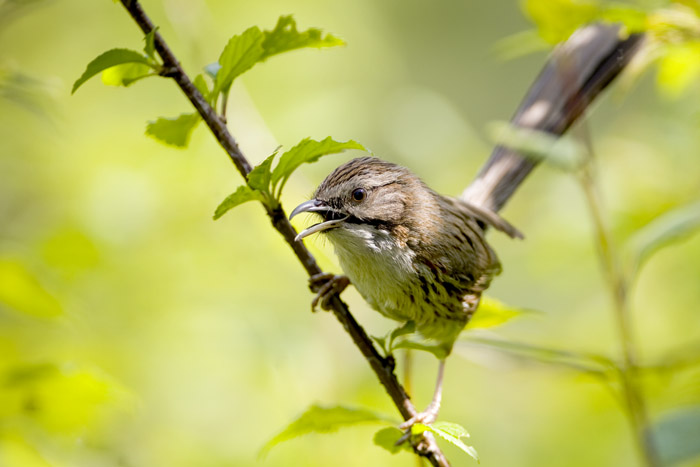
[[578, 70]]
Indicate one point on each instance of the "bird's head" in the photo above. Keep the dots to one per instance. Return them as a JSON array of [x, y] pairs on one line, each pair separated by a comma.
[[366, 193]]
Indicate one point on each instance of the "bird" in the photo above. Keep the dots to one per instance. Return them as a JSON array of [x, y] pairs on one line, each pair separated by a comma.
[[413, 254]]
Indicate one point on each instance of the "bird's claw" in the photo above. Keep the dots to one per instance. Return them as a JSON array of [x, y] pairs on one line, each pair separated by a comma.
[[421, 442], [326, 286], [427, 417]]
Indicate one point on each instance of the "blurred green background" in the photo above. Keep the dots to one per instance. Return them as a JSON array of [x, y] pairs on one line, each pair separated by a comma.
[[135, 331]]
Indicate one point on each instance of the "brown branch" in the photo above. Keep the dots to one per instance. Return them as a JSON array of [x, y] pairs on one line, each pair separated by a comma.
[[382, 367]]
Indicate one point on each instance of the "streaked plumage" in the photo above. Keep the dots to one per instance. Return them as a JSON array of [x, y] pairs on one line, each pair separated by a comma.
[[411, 253]]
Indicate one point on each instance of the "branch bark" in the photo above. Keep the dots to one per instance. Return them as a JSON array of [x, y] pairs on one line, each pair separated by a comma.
[[382, 367]]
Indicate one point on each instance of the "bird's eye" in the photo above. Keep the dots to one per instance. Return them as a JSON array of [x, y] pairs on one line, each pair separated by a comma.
[[359, 195]]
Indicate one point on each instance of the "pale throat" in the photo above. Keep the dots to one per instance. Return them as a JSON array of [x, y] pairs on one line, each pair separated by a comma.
[[381, 268]]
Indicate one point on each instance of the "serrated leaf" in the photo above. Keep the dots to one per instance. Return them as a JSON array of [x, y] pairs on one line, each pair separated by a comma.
[[387, 439], [109, 59], [447, 435], [285, 37], [126, 74], [492, 312], [308, 150], [240, 54], [453, 429], [259, 177], [677, 435], [150, 45], [174, 131], [22, 292], [243, 51], [665, 230], [318, 419], [243, 194]]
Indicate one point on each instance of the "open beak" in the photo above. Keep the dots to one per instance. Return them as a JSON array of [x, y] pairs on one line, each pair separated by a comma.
[[334, 217]]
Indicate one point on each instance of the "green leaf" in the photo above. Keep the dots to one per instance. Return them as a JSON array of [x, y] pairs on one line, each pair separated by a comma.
[[677, 436], [285, 37], [667, 229], [592, 364], [387, 439], [254, 46], [556, 20], [308, 150], [21, 291], [259, 177], [407, 328], [520, 44], [25, 91], [14, 450], [126, 74], [387, 342], [453, 429], [66, 399], [150, 44], [634, 18], [564, 153], [109, 59], [492, 312], [679, 68], [448, 432], [173, 131], [242, 195], [319, 419], [240, 54], [201, 84], [413, 342]]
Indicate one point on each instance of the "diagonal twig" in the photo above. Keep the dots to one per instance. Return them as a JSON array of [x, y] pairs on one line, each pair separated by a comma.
[[382, 367], [597, 56]]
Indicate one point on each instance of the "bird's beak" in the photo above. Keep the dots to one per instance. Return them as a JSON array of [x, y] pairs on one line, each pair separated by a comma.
[[322, 208]]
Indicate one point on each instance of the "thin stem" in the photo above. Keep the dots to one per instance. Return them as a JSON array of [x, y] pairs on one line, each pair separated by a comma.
[[635, 404], [407, 369], [382, 367]]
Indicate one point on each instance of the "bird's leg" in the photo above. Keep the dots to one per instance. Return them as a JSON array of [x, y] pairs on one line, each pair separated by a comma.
[[326, 286], [429, 415]]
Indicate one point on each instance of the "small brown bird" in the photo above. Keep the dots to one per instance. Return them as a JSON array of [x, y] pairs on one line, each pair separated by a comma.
[[413, 254]]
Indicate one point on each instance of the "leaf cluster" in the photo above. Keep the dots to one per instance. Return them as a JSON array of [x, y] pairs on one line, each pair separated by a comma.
[[672, 28], [265, 184], [319, 420], [123, 67]]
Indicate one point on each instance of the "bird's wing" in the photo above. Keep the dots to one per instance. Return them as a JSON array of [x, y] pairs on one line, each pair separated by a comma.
[[489, 217]]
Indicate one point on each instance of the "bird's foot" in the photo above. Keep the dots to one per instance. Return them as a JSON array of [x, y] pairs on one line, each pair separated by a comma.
[[326, 286], [426, 417]]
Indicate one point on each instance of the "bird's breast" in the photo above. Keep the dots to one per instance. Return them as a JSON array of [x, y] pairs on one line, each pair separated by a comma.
[[389, 278], [381, 270]]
